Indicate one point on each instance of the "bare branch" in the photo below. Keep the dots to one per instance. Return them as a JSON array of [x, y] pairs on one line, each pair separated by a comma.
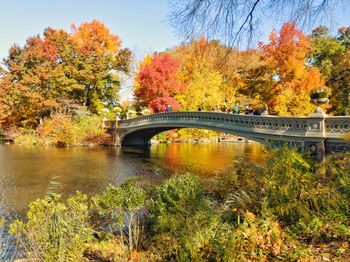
[[234, 20]]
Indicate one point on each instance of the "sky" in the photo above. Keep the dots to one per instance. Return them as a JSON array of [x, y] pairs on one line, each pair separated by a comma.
[[141, 24]]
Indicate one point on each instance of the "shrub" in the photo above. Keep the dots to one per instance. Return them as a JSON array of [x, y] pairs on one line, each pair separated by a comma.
[[55, 231], [255, 239], [184, 220], [27, 137], [123, 202], [59, 129], [88, 126]]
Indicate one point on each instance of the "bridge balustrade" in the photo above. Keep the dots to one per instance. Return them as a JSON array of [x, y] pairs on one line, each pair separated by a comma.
[[291, 124], [336, 125], [317, 132]]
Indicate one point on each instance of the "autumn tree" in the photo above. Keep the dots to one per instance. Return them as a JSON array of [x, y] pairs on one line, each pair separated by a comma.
[[157, 83], [339, 82], [325, 50], [4, 108], [100, 62], [80, 67], [204, 82], [331, 55], [229, 75], [294, 79], [30, 89], [248, 77]]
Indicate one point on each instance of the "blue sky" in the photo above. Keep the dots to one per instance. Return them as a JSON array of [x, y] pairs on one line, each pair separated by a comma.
[[141, 24]]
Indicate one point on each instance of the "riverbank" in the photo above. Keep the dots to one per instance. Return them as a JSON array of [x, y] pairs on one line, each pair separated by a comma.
[[103, 139], [237, 216]]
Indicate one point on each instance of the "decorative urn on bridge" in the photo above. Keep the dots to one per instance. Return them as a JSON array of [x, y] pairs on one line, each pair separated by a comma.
[[319, 97]]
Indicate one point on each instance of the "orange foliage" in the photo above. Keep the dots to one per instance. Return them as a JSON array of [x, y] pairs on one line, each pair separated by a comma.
[[95, 37], [81, 67], [287, 53]]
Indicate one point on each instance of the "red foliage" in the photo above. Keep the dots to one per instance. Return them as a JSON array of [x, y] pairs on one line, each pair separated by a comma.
[[159, 83]]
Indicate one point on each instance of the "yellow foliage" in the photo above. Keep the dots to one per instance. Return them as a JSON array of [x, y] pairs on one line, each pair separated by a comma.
[[204, 90]]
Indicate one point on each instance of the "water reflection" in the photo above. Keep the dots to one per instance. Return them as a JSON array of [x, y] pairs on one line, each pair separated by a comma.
[[26, 172], [204, 159]]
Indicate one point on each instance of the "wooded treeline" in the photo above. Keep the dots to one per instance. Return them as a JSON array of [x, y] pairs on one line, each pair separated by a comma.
[[69, 75]]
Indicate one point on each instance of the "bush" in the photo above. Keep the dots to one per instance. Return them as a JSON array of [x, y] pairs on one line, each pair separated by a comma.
[[55, 231], [122, 204], [59, 129], [255, 239], [89, 126], [184, 220], [63, 130], [27, 137]]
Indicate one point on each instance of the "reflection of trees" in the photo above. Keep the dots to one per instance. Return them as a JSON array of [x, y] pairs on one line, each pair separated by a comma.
[[205, 159]]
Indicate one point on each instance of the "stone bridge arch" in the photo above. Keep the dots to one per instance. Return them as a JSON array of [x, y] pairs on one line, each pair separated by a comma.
[[143, 136], [316, 132]]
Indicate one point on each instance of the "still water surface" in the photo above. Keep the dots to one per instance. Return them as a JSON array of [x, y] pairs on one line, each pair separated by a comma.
[[26, 172]]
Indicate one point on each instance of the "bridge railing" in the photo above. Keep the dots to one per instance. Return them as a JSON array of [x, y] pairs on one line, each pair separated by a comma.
[[291, 124], [336, 125], [328, 126]]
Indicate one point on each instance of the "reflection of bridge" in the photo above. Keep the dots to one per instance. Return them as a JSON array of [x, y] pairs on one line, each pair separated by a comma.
[[317, 132]]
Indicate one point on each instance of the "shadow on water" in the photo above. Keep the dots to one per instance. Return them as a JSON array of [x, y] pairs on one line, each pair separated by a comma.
[[137, 151]]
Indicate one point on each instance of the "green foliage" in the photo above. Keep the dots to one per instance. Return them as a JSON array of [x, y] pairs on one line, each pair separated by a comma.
[[287, 184], [311, 201], [331, 55], [294, 189], [55, 231], [162, 137], [325, 49], [121, 202], [88, 129], [184, 220]]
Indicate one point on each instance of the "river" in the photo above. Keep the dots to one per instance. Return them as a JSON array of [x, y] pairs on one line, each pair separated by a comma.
[[27, 172]]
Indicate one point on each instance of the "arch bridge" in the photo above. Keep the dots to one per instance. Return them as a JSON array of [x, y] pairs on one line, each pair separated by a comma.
[[317, 133]]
